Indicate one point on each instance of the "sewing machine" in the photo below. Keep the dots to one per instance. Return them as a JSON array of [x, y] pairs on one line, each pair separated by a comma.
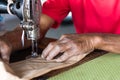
[[28, 11]]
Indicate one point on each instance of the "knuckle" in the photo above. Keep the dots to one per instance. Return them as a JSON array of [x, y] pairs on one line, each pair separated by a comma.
[[73, 44], [8, 48], [51, 43], [58, 46], [64, 36], [76, 46], [5, 50]]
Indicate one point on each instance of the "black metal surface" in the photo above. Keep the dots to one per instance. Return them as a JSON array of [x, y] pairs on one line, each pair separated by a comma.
[[3, 6], [15, 8]]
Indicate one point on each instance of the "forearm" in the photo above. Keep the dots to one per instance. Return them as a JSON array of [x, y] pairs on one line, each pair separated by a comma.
[[45, 24], [14, 39], [108, 42]]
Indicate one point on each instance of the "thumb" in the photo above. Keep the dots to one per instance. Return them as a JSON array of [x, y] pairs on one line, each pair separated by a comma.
[[5, 58], [5, 51]]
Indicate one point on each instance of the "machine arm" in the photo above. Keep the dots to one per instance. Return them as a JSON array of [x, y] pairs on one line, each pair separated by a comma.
[[28, 11]]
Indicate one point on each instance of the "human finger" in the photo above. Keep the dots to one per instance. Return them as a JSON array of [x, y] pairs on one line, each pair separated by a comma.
[[47, 50], [58, 48], [5, 51], [64, 57], [5, 58]]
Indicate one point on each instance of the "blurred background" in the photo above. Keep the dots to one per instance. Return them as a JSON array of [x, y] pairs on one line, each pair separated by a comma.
[[9, 22]]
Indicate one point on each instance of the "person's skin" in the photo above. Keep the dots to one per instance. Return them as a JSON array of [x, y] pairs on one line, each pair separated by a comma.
[[11, 41], [70, 45], [80, 44]]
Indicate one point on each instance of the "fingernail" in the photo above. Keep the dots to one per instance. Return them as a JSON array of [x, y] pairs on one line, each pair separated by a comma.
[[48, 59], [42, 56], [58, 60]]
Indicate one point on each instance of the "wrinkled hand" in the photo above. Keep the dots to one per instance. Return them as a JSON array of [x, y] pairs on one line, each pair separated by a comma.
[[70, 45], [5, 50]]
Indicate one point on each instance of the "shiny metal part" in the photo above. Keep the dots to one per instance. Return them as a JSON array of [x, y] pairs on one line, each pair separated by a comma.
[[22, 37], [28, 11], [34, 48], [30, 24], [31, 17]]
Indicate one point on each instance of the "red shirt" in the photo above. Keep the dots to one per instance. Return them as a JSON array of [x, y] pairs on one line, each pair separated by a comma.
[[89, 16]]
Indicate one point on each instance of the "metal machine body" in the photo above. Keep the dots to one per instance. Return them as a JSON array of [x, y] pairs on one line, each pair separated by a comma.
[[28, 11]]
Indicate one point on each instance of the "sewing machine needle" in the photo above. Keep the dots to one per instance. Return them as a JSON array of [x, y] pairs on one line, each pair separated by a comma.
[[34, 49]]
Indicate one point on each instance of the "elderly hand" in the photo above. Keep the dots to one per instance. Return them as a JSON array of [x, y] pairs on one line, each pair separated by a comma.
[[71, 45], [5, 50]]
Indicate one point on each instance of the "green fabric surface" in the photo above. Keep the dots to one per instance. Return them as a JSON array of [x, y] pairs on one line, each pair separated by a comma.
[[106, 67]]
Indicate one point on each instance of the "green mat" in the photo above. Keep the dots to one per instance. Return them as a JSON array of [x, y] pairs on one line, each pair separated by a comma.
[[106, 67]]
